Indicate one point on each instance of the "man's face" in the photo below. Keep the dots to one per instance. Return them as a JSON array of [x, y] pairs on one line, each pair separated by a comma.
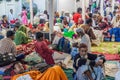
[[12, 37], [90, 23], [11, 11], [83, 51], [5, 18], [15, 28]]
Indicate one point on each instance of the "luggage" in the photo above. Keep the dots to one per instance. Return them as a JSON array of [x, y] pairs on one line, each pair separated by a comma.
[[116, 32], [7, 59], [64, 45]]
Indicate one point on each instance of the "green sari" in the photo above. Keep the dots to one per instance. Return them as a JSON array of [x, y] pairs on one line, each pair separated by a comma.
[[21, 36]]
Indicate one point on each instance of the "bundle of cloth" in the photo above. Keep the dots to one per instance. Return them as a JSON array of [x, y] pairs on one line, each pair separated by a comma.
[[26, 48]]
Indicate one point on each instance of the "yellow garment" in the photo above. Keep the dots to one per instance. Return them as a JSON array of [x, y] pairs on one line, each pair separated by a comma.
[[32, 74], [46, 28], [53, 73]]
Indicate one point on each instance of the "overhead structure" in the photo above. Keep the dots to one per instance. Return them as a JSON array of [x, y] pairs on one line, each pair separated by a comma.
[[51, 17]]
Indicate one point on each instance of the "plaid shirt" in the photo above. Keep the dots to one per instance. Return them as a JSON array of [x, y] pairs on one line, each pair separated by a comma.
[[7, 45]]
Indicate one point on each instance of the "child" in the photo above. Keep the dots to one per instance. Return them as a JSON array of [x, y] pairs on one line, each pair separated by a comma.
[[74, 50], [88, 66]]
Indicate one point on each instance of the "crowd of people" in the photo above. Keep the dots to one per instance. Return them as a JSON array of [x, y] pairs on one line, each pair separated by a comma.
[[72, 36]]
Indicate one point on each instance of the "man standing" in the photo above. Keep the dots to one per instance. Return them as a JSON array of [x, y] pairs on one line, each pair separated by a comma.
[[11, 15], [77, 15], [7, 45]]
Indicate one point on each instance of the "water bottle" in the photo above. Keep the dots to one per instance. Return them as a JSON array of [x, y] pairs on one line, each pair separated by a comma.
[[113, 38]]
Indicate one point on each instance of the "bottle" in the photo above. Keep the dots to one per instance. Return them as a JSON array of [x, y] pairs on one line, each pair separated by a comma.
[[113, 38]]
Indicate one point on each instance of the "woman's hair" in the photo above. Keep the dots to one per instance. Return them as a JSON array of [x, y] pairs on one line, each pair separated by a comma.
[[35, 25], [39, 35], [82, 45], [88, 21], [4, 16], [90, 15], [23, 7], [79, 10], [75, 44], [45, 12]]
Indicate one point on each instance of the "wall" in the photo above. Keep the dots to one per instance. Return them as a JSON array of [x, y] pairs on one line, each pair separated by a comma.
[[41, 4], [6, 6], [66, 5]]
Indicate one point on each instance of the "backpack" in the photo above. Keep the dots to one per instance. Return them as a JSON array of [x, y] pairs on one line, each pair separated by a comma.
[[64, 45]]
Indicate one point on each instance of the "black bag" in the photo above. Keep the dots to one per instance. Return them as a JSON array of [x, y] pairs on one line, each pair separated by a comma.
[[6, 59]]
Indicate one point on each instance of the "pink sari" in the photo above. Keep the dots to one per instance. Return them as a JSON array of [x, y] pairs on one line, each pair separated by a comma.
[[24, 17]]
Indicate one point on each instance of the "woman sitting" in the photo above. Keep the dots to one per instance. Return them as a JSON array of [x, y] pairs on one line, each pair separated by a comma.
[[21, 36], [4, 22], [88, 66]]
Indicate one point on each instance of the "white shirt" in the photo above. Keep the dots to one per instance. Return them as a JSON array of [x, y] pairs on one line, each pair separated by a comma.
[[10, 17], [115, 24], [86, 40], [56, 28], [44, 16], [56, 40], [108, 10]]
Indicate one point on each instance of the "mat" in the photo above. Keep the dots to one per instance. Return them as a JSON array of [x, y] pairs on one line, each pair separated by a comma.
[[109, 56], [107, 47]]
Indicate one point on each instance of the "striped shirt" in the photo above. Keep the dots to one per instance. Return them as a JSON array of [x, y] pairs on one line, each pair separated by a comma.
[[7, 46]]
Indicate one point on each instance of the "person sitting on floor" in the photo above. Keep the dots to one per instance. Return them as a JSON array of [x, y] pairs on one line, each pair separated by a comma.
[[88, 66], [74, 50], [42, 49], [4, 22], [84, 38], [21, 36], [7, 44]]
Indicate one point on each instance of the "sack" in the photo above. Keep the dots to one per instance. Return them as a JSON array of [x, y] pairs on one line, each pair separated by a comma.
[[6, 59], [64, 45]]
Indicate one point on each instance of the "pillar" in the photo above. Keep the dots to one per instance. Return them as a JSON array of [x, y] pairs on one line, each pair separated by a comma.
[[83, 10], [101, 8], [51, 17], [31, 11], [97, 2], [113, 5]]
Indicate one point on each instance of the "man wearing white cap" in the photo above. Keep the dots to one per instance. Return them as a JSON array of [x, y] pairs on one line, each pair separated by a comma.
[[84, 38]]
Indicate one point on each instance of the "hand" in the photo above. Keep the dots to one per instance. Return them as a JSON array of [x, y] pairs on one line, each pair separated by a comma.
[[100, 62], [50, 47]]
